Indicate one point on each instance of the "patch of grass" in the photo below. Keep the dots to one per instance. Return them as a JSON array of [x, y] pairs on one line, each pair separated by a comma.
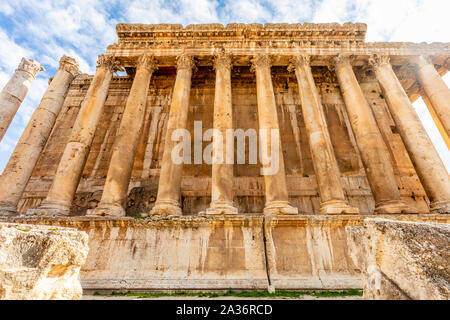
[[381, 96], [24, 230], [53, 229], [139, 217], [245, 294]]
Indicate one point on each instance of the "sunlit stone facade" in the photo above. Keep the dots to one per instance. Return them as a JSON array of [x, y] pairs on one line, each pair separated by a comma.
[[351, 144]]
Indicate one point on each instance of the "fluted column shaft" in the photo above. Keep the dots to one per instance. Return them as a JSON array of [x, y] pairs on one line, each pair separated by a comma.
[[328, 178], [169, 187], [373, 151], [222, 173], [26, 154], [436, 90], [276, 192], [68, 174], [428, 165], [15, 90], [124, 149]]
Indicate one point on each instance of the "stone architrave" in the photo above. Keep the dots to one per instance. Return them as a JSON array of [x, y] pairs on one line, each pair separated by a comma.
[[124, 149], [426, 161], [169, 187], [68, 174], [222, 173], [331, 192], [22, 161], [373, 151], [435, 89], [276, 192], [15, 90]]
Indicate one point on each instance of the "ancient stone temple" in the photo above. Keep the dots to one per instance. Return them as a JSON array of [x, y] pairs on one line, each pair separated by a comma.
[[98, 153]]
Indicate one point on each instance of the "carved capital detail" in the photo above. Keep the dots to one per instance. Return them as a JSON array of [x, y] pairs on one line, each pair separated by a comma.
[[343, 59], [147, 62], [109, 62], [185, 61], [30, 66], [377, 60], [70, 65], [260, 61], [223, 60], [301, 60]]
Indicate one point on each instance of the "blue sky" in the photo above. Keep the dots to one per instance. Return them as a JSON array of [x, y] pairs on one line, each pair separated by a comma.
[[45, 30]]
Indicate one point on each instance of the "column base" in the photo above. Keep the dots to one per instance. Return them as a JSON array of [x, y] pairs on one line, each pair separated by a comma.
[[50, 208], [441, 207], [166, 208], [221, 208], [107, 210], [393, 206], [279, 207], [8, 211], [337, 207]]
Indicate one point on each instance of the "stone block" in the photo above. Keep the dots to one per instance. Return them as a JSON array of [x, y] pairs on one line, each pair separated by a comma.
[[402, 259], [41, 262]]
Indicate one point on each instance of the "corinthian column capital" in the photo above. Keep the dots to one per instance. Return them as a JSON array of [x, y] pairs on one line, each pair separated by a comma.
[[343, 59], [109, 62], [377, 60], [260, 61], [70, 65], [148, 62], [301, 60], [30, 66], [185, 61], [222, 60]]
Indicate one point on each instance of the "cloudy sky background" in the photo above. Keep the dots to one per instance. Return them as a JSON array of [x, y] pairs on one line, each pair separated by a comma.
[[45, 30]]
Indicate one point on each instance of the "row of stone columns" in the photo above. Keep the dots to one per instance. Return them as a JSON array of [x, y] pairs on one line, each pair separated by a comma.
[[372, 148]]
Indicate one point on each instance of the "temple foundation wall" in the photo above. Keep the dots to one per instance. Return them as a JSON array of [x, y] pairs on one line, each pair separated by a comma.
[[218, 253]]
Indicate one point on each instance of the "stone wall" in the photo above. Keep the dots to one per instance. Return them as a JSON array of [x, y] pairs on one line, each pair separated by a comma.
[[218, 253], [249, 186]]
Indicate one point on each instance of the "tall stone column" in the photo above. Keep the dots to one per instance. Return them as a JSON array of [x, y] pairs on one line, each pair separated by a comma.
[[277, 198], [15, 91], [222, 173], [428, 165], [328, 177], [169, 188], [126, 142], [60, 196], [435, 89], [373, 150], [26, 154]]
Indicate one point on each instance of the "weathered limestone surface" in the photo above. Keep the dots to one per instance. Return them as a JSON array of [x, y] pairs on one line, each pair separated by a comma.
[[402, 259], [41, 262], [218, 252], [15, 91]]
